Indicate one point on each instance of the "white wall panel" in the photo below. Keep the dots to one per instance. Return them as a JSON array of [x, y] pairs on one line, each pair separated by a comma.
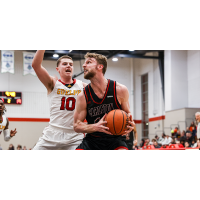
[[193, 66]]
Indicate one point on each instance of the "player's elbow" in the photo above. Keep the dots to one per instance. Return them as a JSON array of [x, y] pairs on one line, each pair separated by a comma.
[[34, 65]]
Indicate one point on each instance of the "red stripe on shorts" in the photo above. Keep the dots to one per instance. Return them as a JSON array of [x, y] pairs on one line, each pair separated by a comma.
[[121, 148]]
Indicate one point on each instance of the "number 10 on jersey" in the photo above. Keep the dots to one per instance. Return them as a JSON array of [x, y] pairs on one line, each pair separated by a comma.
[[68, 104]]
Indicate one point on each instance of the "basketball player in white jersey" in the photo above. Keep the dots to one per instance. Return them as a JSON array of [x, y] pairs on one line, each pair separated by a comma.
[[4, 123], [62, 95]]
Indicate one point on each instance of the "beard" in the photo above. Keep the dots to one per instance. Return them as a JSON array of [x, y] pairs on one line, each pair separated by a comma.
[[89, 75]]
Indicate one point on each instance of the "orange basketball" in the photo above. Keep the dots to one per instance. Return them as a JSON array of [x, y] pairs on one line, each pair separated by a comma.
[[117, 121]]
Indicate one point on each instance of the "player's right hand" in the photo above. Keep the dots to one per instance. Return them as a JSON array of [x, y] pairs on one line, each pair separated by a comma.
[[101, 126], [12, 133]]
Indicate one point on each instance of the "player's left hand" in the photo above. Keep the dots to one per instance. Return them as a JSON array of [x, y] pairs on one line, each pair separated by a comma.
[[12, 133], [131, 125]]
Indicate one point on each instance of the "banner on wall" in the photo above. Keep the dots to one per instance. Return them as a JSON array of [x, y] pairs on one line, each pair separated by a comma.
[[7, 61], [27, 63]]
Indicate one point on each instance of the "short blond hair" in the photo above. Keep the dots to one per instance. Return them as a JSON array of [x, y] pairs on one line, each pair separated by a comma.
[[101, 59], [59, 60]]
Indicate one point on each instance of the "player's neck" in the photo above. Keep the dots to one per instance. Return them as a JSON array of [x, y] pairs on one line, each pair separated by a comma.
[[99, 84], [67, 80]]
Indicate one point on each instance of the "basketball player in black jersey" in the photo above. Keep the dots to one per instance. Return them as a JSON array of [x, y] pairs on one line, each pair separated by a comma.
[[99, 98]]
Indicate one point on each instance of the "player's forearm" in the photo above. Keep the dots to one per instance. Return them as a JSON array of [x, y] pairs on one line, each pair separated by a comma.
[[136, 135], [6, 135], [37, 60], [81, 127]]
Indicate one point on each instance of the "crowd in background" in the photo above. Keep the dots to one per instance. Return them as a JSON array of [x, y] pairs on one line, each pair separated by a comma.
[[185, 139], [19, 147]]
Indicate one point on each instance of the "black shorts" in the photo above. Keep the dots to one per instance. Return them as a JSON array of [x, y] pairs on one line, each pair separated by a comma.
[[129, 145], [95, 142]]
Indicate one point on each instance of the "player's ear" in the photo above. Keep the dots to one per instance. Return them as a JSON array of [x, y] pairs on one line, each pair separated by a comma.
[[57, 68], [100, 66]]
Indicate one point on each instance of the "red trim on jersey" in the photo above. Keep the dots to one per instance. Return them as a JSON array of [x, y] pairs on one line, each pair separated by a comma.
[[104, 94], [86, 95], [115, 96], [79, 149], [121, 148], [74, 81]]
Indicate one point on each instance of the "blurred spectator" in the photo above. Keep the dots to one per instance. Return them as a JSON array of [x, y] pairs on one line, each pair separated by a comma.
[[156, 145], [147, 142], [187, 145], [167, 140], [182, 142], [159, 139], [188, 130], [19, 147], [183, 137], [1, 148], [142, 143], [153, 140], [193, 129], [173, 141], [178, 134], [11, 147], [193, 145], [189, 138], [24, 148]]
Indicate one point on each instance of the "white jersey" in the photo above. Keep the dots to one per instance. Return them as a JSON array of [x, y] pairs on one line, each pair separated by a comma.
[[62, 102], [3, 124]]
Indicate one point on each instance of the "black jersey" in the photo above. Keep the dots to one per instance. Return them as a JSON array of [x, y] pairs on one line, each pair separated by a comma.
[[97, 108]]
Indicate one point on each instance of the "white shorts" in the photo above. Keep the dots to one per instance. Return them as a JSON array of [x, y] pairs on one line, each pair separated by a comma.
[[58, 139]]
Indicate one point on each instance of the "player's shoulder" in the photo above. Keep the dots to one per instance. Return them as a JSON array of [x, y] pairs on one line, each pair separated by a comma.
[[81, 82], [81, 95], [121, 88]]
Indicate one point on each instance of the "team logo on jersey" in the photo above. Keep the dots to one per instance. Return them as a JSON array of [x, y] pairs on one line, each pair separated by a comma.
[[69, 86], [102, 109], [68, 92], [2, 127]]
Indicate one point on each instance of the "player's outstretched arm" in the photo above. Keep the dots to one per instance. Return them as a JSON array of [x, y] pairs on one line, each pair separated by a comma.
[[41, 72], [7, 133], [123, 98], [80, 115]]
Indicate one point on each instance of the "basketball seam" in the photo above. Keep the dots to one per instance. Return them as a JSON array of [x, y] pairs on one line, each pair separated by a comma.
[[123, 121], [114, 122]]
